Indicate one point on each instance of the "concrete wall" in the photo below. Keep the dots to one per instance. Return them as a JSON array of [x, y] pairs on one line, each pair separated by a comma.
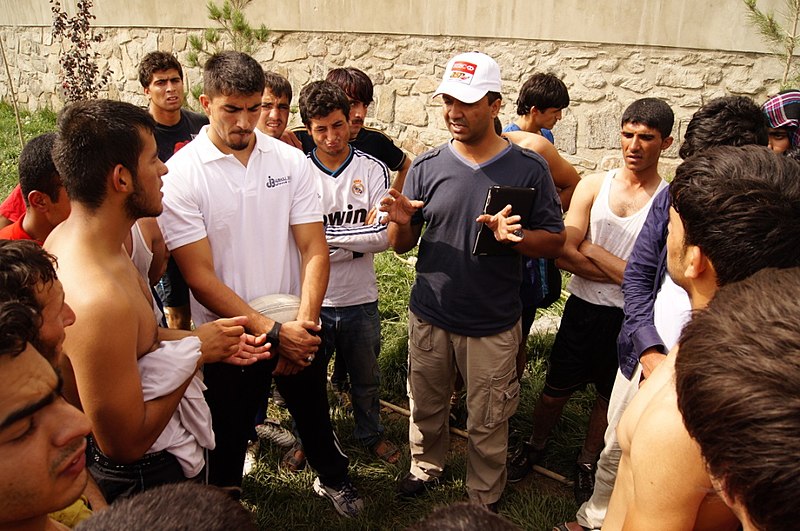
[[602, 78]]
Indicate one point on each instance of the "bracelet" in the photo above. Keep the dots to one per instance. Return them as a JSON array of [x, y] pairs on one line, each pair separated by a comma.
[[274, 335]]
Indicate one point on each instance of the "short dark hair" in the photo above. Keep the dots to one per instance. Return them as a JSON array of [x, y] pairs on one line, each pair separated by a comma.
[[726, 121], [492, 97], [37, 171], [278, 85], [320, 98], [741, 207], [25, 267], [94, 136], [17, 327], [232, 73], [463, 515], [355, 83], [738, 382], [651, 112], [184, 505], [157, 62], [543, 91]]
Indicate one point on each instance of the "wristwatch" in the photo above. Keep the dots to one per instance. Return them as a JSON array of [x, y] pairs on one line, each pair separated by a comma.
[[519, 233], [274, 335]]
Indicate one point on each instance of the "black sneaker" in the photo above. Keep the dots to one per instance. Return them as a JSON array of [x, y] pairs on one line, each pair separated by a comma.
[[521, 463], [411, 486], [584, 481]]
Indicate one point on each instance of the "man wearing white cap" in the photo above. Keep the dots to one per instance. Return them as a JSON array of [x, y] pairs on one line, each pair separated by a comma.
[[464, 308]]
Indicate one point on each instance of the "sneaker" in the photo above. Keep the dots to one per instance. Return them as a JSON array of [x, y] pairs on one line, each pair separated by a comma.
[[272, 431], [294, 460], [250, 458], [345, 497], [411, 486], [584, 481], [521, 463]]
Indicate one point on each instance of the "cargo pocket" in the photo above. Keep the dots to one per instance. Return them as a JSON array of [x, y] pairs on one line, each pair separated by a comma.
[[503, 398], [419, 333]]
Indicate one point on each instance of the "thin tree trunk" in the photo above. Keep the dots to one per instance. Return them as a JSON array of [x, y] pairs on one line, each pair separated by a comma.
[[13, 95]]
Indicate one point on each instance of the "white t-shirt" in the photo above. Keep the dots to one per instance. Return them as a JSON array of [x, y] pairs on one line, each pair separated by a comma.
[[245, 212], [347, 194]]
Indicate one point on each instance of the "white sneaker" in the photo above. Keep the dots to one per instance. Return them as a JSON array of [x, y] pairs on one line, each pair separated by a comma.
[[344, 497], [250, 458], [272, 431]]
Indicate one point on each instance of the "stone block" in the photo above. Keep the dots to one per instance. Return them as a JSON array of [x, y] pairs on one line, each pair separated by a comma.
[[388, 52], [602, 128], [317, 47], [635, 66], [713, 76], [411, 111], [678, 77], [165, 41], [265, 54], [334, 47], [592, 80], [607, 65], [581, 164], [566, 134], [585, 95], [739, 80], [568, 52], [359, 48], [384, 103], [289, 51], [640, 85], [426, 85]]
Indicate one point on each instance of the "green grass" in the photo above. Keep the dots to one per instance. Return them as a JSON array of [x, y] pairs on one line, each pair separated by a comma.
[[33, 124]]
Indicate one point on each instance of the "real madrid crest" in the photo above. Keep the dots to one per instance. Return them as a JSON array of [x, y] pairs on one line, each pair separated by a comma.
[[358, 187]]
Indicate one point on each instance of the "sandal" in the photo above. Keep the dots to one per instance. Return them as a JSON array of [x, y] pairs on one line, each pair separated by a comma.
[[295, 459], [385, 450]]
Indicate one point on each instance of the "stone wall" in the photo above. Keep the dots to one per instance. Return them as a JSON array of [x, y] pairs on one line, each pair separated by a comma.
[[602, 78]]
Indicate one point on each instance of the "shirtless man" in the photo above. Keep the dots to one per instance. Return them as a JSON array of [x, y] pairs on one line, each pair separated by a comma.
[[107, 156], [539, 105], [607, 213], [726, 203], [751, 391]]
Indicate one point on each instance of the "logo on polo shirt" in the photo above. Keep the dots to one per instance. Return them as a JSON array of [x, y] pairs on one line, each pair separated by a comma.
[[358, 187], [274, 182], [463, 71]]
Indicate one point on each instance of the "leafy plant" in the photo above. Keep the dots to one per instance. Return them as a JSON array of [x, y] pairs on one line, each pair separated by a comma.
[[234, 33], [81, 77], [783, 39]]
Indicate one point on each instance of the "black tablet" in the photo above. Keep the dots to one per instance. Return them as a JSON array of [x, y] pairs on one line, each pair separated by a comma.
[[521, 201]]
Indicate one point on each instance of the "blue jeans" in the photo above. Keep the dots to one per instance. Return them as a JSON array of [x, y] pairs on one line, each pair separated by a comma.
[[354, 332]]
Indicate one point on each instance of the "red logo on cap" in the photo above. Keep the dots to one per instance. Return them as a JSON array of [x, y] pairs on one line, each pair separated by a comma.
[[463, 71]]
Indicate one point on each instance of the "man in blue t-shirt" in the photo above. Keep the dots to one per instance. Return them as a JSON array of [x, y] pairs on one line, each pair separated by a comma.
[[465, 308], [539, 105]]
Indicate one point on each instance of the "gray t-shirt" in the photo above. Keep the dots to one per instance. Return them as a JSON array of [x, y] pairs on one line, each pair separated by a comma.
[[456, 290]]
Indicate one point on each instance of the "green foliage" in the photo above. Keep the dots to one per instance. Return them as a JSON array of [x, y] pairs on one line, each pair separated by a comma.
[[234, 32], [33, 124], [781, 38], [81, 77]]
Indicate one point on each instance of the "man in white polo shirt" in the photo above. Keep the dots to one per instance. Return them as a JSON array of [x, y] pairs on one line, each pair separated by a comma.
[[242, 218]]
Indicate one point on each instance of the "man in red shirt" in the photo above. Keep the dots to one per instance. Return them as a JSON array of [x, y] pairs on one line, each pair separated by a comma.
[[46, 202]]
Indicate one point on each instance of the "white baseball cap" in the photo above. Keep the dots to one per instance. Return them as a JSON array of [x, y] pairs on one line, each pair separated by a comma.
[[469, 76]]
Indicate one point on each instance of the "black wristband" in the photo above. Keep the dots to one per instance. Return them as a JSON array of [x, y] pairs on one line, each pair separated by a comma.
[[274, 335]]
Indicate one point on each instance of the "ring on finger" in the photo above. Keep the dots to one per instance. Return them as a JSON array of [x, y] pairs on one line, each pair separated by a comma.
[[310, 358]]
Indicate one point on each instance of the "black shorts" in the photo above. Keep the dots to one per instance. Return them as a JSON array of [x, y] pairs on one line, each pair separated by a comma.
[[585, 349], [172, 288]]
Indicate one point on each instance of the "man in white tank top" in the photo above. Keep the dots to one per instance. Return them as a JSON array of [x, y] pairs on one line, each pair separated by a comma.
[[606, 214]]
